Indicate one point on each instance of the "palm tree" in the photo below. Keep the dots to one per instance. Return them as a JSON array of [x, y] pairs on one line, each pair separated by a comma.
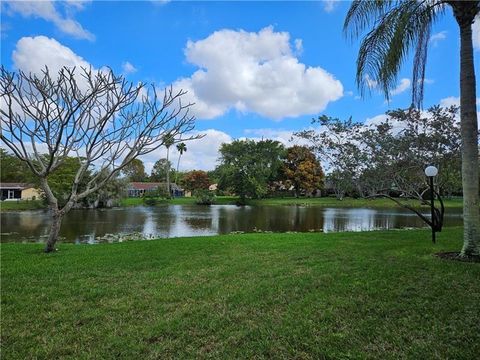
[[181, 148], [168, 141], [394, 29]]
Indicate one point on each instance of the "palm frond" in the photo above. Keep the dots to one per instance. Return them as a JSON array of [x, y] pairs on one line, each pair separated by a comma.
[[398, 27]]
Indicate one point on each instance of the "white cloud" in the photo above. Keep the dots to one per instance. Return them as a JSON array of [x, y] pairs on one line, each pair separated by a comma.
[[426, 81], [401, 87], [298, 46], [283, 136], [437, 37], [49, 11], [32, 54], [254, 72], [450, 101], [476, 33], [128, 68], [371, 83], [330, 5], [201, 154], [453, 100]]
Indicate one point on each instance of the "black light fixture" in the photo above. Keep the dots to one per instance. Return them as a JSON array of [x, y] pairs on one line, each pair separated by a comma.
[[436, 220]]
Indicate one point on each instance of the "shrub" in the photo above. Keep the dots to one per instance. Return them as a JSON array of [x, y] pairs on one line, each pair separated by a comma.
[[204, 197]]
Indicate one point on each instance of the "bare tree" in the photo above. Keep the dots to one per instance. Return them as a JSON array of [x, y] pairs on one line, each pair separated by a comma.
[[103, 120]]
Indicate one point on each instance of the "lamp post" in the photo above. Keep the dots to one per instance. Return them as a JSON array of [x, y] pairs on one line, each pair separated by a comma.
[[431, 171]]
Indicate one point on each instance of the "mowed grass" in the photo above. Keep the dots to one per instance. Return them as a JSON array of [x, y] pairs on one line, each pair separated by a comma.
[[308, 296], [222, 200], [21, 205], [302, 201]]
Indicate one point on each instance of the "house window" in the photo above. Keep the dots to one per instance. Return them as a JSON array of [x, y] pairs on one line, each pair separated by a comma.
[[11, 194]]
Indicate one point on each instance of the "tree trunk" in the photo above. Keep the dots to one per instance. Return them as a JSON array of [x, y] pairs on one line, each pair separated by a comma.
[[168, 176], [178, 165], [54, 231], [469, 128]]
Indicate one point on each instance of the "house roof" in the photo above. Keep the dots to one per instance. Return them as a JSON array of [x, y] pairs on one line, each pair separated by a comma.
[[15, 186]]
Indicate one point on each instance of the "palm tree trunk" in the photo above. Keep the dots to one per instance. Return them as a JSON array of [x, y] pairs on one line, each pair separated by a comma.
[[168, 175], [178, 165], [470, 153]]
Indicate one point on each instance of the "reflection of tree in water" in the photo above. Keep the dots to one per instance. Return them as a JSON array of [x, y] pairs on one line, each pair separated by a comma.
[[95, 223], [270, 218], [178, 220], [17, 225], [199, 223]]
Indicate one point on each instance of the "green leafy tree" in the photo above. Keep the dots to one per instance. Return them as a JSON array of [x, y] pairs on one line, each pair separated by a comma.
[[394, 28], [391, 155], [196, 180], [160, 169], [246, 167], [61, 180], [135, 171], [303, 170], [12, 169]]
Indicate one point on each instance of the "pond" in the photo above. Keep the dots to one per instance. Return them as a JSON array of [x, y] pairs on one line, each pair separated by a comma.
[[88, 226]]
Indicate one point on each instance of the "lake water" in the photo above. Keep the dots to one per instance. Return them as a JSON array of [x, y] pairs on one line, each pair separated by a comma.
[[191, 220]]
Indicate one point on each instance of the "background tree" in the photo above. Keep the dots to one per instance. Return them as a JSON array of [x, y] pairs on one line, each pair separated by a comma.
[[168, 140], [108, 195], [12, 169], [95, 115], [246, 167], [159, 170], [181, 148], [379, 158], [394, 28], [196, 180], [334, 144], [135, 170], [303, 170]]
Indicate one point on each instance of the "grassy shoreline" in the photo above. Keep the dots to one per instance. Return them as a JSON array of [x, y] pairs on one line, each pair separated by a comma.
[[340, 295], [456, 203], [288, 201]]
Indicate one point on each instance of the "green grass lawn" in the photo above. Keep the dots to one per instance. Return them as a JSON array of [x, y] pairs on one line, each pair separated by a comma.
[[21, 205], [345, 295], [324, 201]]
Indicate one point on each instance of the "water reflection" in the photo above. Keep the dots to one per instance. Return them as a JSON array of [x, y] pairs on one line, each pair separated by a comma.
[[86, 226]]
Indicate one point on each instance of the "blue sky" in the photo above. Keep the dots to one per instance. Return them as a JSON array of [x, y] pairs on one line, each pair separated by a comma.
[[253, 68]]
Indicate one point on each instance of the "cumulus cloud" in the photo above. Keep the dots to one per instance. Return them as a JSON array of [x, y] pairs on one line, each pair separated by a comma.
[[128, 68], [476, 33], [49, 11], [401, 87], [255, 72], [32, 54], [453, 100], [437, 37], [450, 101], [286, 137], [201, 154]]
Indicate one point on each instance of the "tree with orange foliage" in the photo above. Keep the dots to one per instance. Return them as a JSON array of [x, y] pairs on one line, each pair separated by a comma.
[[302, 170]]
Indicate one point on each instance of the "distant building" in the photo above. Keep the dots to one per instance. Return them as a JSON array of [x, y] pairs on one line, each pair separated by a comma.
[[19, 191], [139, 189], [213, 187]]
